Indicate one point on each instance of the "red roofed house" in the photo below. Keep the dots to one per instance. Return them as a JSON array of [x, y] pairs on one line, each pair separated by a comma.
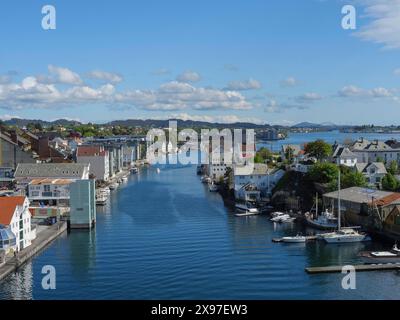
[[98, 159], [15, 214]]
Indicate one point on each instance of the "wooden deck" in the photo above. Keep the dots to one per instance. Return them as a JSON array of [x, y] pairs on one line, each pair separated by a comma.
[[360, 267]]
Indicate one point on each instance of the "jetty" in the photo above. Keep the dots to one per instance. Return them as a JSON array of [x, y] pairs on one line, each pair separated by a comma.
[[360, 267], [43, 239]]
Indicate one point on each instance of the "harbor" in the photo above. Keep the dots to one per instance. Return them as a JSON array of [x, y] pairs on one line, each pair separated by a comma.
[[159, 248]]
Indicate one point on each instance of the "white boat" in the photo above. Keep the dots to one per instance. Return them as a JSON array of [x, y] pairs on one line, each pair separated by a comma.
[[281, 218], [213, 187], [134, 170], [124, 179], [205, 179], [343, 235], [246, 213], [113, 186], [101, 199], [376, 257], [277, 213], [297, 239], [158, 170], [325, 221], [246, 207]]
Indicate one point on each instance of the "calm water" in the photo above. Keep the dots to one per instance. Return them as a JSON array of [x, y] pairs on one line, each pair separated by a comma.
[[165, 236], [330, 137]]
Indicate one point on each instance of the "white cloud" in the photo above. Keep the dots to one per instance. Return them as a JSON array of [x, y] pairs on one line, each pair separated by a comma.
[[64, 75], [309, 97], [188, 76], [383, 24], [161, 72], [289, 82], [274, 106], [105, 76], [396, 72], [250, 84], [6, 117], [215, 118], [354, 91]]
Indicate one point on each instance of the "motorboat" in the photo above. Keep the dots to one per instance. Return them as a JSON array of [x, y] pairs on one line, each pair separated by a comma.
[[101, 199], [277, 213], [247, 207], [134, 170], [205, 179], [297, 239], [158, 170], [113, 186], [124, 179], [281, 218], [246, 213], [376, 257], [213, 187]]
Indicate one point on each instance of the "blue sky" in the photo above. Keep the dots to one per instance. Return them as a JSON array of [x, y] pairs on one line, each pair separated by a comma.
[[277, 61]]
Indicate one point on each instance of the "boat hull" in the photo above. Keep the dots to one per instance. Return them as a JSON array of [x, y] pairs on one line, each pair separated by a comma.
[[346, 239], [320, 226]]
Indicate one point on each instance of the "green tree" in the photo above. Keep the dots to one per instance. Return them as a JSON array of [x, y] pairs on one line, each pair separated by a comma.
[[318, 149], [390, 183], [393, 167], [352, 179], [323, 172]]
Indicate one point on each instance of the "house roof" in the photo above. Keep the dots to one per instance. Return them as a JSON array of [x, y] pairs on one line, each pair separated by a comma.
[[8, 206], [343, 152], [389, 199], [51, 170], [259, 169], [363, 167], [90, 151], [362, 195], [366, 145], [37, 182]]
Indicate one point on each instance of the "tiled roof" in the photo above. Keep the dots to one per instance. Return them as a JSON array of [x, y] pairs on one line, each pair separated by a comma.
[[90, 151], [7, 208]]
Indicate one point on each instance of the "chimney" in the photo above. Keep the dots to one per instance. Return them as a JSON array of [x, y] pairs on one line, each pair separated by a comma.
[[14, 136]]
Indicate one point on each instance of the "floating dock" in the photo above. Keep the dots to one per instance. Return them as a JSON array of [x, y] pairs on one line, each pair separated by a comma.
[[360, 267], [43, 239]]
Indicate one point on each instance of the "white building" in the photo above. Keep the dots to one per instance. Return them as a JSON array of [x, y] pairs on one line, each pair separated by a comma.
[[15, 214], [343, 156], [50, 191], [371, 151], [373, 172], [262, 178], [98, 159]]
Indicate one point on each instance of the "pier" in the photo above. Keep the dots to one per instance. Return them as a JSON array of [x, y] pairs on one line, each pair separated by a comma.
[[360, 267], [43, 239]]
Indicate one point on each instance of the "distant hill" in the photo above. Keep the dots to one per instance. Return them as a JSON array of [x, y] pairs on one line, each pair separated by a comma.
[[24, 122], [315, 125]]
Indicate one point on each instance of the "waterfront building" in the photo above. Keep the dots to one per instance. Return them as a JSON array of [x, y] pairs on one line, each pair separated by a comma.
[[25, 173], [373, 172], [49, 192], [15, 214], [6, 177], [262, 180], [373, 151], [267, 134], [98, 158], [82, 204], [362, 206]]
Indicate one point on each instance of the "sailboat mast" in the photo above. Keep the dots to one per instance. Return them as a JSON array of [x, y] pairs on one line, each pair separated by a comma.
[[316, 204], [339, 206]]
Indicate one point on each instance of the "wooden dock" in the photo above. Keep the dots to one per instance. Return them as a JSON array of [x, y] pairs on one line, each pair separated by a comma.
[[359, 267]]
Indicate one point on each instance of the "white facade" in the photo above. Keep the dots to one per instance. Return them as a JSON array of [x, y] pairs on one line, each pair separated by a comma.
[[50, 189], [216, 171], [99, 165], [265, 180], [20, 225]]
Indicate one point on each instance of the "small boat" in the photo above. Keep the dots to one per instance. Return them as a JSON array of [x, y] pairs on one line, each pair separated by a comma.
[[376, 257], [205, 179], [325, 221], [246, 214], [113, 186], [281, 218], [101, 199], [213, 187], [134, 170], [246, 207], [124, 179], [158, 170], [277, 213], [297, 239]]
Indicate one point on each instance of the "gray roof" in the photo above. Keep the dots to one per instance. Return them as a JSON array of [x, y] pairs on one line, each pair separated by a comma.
[[259, 169], [363, 167], [359, 195], [343, 153], [366, 145], [51, 170]]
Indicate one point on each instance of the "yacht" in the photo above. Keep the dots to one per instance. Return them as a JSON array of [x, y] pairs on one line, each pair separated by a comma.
[[246, 207], [282, 218], [297, 239], [343, 235], [325, 221], [213, 187], [391, 256]]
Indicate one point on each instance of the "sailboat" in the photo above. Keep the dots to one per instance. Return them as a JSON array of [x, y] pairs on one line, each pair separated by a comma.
[[326, 220], [343, 235]]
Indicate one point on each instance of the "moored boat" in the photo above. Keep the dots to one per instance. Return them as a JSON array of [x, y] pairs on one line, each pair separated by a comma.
[[391, 256], [297, 239], [213, 187], [247, 207]]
